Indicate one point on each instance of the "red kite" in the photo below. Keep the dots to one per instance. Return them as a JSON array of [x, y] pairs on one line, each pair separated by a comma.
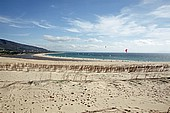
[[126, 50]]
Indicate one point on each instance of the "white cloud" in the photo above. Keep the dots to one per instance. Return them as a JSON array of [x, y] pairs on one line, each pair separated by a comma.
[[73, 30], [148, 1], [43, 24], [88, 47], [59, 39], [108, 26], [167, 42], [72, 47], [93, 40], [143, 42], [21, 34], [69, 39], [138, 45], [20, 23], [5, 20], [19, 26], [81, 25], [162, 11], [14, 25], [132, 28], [13, 22], [159, 33]]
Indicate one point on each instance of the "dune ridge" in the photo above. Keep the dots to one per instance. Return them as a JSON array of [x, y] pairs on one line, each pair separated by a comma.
[[90, 68]]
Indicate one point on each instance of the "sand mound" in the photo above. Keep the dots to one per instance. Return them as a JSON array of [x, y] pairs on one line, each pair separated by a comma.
[[78, 87]]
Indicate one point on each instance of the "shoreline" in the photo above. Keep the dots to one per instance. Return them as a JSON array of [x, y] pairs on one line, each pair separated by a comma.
[[91, 59], [39, 56], [43, 56], [77, 59]]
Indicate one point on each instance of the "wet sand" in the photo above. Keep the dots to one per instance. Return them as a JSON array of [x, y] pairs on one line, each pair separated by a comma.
[[44, 86], [39, 57]]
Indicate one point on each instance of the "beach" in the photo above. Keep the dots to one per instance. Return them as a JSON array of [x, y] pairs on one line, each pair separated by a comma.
[[46, 85]]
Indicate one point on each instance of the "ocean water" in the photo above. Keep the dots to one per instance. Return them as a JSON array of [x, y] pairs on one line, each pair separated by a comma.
[[148, 57]]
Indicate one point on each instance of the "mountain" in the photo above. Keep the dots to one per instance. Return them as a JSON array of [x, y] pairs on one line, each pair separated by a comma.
[[9, 46]]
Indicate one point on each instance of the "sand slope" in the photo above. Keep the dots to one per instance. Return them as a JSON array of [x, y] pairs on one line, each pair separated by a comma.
[[33, 86]]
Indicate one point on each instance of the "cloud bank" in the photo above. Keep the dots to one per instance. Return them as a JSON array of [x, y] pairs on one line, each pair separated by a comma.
[[131, 28]]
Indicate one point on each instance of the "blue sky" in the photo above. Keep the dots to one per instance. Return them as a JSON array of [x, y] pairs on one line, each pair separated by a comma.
[[88, 25]]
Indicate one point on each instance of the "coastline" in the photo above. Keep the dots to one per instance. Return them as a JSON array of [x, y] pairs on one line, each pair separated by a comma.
[[71, 58], [136, 57], [40, 56], [44, 56]]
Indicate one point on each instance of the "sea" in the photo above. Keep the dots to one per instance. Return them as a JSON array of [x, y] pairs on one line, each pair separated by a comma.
[[146, 57]]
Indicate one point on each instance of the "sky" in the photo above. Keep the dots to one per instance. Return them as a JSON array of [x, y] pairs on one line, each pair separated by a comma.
[[141, 26]]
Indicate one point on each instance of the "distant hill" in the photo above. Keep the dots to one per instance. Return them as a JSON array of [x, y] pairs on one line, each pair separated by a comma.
[[9, 46]]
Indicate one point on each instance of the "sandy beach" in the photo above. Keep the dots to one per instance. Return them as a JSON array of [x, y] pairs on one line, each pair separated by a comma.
[[83, 86]]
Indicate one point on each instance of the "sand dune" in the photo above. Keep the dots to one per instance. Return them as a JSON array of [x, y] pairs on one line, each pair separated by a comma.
[[37, 86]]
